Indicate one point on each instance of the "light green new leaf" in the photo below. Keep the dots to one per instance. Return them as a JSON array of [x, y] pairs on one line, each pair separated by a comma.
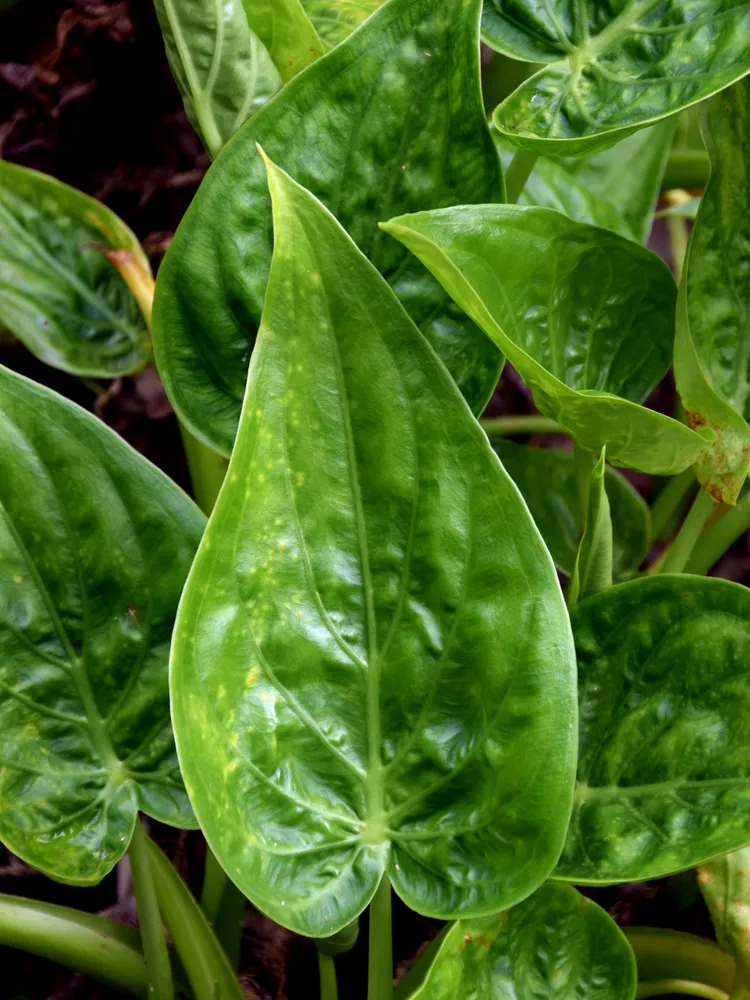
[[593, 566], [712, 347], [59, 293], [557, 945], [221, 67], [664, 700], [585, 316], [353, 129], [725, 884], [287, 33], [546, 478], [612, 67], [95, 546], [372, 669], [334, 20]]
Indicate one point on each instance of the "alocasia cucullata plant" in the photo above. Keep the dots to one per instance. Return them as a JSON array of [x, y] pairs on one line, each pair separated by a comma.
[[375, 679]]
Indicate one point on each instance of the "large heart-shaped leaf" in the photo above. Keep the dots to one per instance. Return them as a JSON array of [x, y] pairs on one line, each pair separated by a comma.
[[353, 129], [664, 700], [95, 546], [372, 668], [557, 944], [546, 478], [612, 67], [585, 316], [287, 33], [223, 70], [712, 347], [335, 20], [59, 293]]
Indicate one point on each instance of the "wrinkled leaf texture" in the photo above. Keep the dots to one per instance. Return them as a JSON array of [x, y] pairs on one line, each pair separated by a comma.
[[664, 700], [59, 293], [372, 668], [334, 20], [95, 546], [612, 67], [352, 129]]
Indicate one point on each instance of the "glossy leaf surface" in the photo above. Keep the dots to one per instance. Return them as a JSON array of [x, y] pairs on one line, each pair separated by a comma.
[[287, 33], [372, 667], [725, 884], [223, 70], [335, 20], [59, 293], [712, 347], [585, 316], [556, 944], [664, 701], [546, 478], [354, 131], [612, 67], [593, 566], [95, 545]]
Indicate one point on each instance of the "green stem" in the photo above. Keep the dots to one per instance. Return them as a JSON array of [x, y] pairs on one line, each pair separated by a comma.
[[380, 966], [103, 949], [665, 954], [224, 906], [711, 546], [682, 987], [500, 427], [669, 502], [207, 470], [155, 950], [686, 168], [678, 242], [687, 537], [206, 966], [327, 969], [518, 172]]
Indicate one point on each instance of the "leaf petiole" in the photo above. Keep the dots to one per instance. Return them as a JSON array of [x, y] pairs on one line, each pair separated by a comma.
[[712, 545], [681, 549], [154, 942], [327, 970], [518, 173], [532, 423], [380, 968], [679, 987]]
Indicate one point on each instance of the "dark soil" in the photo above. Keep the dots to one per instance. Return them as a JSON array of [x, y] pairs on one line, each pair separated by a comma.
[[87, 96]]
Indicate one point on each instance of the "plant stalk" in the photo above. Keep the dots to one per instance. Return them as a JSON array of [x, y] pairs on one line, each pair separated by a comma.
[[518, 172], [712, 545], [667, 955], [686, 168], [154, 942], [328, 985], [681, 549], [207, 470], [500, 427], [670, 500], [680, 987], [677, 230], [224, 906], [380, 966]]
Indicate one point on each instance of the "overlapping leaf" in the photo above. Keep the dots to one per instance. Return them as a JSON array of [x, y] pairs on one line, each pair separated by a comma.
[[712, 347], [725, 884], [335, 20], [287, 33], [353, 129], [223, 70], [593, 566], [664, 699], [59, 293], [95, 545], [371, 668], [585, 316], [612, 67], [546, 478], [557, 944]]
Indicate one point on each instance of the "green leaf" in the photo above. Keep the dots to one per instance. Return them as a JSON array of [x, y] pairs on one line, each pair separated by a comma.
[[286, 31], [546, 478], [371, 668], [557, 944], [59, 293], [612, 68], [593, 566], [585, 316], [712, 347], [95, 545], [353, 130], [223, 70], [334, 20], [664, 700], [725, 884], [682, 210]]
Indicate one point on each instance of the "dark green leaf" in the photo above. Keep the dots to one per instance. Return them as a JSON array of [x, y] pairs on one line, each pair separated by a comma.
[[581, 313], [593, 566], [725, 884], [371, 667], [556, 945], [335, 20], [546, 478], [221, 67], [712, 348], [353, 129], [286, 31], [95, 545], [664, 700], [59, 293], [612, 67]]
